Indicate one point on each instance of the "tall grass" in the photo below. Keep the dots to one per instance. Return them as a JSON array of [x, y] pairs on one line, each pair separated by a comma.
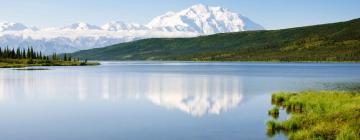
[[318, 115], [274, 112]]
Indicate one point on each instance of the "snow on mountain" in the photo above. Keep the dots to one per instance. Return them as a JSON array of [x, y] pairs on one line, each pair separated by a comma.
[[121, 26], [10, 26], [194, 21], [81, 26], [204, 20]]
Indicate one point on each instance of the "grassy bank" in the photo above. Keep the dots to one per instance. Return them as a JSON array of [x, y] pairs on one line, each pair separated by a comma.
[[17, 63], [317, 115]]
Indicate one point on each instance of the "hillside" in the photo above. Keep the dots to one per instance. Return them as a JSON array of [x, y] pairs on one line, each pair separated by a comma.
[[328, 42]]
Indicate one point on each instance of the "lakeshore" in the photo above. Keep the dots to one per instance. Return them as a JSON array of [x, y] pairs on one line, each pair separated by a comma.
[[316, 115]]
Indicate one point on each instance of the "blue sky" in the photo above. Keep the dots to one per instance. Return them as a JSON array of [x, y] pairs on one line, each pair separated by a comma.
[[273, 14]]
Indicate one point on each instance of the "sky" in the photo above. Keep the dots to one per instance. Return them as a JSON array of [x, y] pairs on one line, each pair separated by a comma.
[[272, 14]]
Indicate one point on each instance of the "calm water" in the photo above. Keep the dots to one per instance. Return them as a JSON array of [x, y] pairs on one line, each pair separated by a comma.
[[153, 100]]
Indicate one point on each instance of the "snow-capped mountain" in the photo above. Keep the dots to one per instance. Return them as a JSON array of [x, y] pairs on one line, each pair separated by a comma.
[[10, 26], [81, 26], [121, 26], [193, 21], [204, 20]]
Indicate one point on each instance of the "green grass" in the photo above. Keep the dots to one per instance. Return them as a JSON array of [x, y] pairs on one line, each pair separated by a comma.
[[318, 115], [274, 112], [18, 63], [336, 42]]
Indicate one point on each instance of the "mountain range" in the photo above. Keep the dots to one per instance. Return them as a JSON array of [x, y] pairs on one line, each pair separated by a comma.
[[328, 42], [191, 22]]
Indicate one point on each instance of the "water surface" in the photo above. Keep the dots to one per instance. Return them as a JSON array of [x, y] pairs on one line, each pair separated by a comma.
[[153, 100]]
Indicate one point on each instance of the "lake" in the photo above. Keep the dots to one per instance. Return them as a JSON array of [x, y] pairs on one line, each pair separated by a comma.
[[154, 100]]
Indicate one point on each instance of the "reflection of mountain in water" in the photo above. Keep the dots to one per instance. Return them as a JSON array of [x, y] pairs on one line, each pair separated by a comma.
[[194, 94], [197, 95]]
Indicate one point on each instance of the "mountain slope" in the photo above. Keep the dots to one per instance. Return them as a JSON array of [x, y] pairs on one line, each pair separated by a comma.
[[328, 42]]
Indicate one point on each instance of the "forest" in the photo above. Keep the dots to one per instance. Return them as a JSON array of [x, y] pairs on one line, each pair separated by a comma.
[[28, 57]]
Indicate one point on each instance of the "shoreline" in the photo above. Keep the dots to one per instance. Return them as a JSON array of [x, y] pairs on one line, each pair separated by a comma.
[[172, 61], [23, 64], [311, 111], [98, 62]]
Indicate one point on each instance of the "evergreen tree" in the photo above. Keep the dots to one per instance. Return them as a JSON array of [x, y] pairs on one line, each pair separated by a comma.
[[65, 58], [18, 53], [28, 53], [32, 56], [23, 54]]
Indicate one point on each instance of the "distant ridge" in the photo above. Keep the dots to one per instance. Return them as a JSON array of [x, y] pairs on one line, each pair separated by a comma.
[[193, 21], [327, 42]]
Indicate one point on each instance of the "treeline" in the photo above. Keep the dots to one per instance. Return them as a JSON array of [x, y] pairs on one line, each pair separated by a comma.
[[29, 53], [21, 54]]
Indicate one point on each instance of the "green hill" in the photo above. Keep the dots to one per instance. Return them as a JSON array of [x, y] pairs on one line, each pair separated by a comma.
[[328, 42]]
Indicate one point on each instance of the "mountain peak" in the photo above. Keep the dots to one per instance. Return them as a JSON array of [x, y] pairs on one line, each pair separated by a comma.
[[81, 26], [199, 6], [203, 19]]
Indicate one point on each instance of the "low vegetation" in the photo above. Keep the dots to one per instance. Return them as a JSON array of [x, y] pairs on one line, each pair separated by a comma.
[[274, 112], [318, 115], [10, 58], [336, 42]]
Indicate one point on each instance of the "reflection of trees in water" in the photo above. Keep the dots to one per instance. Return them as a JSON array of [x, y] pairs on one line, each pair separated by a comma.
[[2, 87]]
